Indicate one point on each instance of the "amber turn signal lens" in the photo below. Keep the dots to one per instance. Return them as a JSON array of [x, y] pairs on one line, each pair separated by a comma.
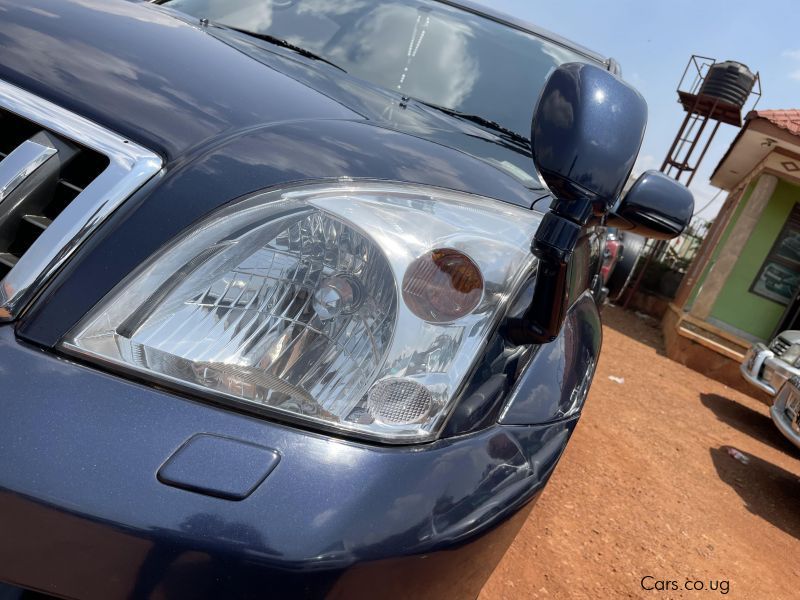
[[442, 285]]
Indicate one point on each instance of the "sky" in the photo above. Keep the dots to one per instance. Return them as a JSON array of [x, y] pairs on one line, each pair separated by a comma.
[[653, 41]]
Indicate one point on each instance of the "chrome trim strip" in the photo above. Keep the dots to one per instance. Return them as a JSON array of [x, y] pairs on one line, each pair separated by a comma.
[[21, 164], [755, 381], [752, 364], [130, 167], [778, 413]]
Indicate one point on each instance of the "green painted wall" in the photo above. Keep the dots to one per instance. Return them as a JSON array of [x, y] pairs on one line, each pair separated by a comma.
[[724, 238], [735, 305]]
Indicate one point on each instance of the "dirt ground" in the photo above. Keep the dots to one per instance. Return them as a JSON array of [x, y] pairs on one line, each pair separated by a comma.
[[651, 487]]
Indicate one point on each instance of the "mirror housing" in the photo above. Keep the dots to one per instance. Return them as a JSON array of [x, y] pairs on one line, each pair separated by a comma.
[[656, 206], [586, 133]]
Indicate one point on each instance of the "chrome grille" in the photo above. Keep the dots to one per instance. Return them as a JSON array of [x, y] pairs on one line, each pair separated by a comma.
[[38, 179], [779, 346], [61, 176]]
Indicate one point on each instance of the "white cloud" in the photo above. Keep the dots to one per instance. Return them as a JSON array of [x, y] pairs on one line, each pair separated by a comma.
[[637, 80], [707, 199], [646, 162], [794, 56]]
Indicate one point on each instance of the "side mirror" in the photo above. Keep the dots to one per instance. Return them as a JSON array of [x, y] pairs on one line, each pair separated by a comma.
[[586, 134], [656, 206]]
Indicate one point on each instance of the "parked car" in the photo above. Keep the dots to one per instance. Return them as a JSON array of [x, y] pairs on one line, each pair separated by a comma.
[[785, 411], [780, 281], [775, 369], [790, 246], [294, 299], [612, 254]]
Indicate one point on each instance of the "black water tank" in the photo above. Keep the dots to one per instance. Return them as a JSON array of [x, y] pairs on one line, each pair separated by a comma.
[[730, 81]]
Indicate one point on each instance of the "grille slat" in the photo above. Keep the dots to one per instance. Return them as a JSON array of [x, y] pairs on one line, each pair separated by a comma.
[[8, 260], [71, 186], [30, 186], [779, 346], [39, 221], [21, 165]]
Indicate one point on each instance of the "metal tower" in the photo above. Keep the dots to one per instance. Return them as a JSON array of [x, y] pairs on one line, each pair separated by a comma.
[[708, 91]]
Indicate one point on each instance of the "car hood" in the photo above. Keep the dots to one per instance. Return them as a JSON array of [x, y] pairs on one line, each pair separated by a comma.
[[178, 88], [145, 74], [790, 335], [391, 109]]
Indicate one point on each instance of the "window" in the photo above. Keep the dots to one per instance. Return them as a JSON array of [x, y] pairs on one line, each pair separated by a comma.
[[779, 276]]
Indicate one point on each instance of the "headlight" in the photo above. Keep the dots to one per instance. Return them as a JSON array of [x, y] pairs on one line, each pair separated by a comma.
[[359, 307]]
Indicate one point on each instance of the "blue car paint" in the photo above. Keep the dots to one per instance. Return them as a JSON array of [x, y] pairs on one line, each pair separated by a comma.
[[179, 90], [146, 75], [560, 367], [82, 510], [84, 515]]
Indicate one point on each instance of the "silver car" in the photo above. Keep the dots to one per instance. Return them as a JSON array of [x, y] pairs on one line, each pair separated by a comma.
[[775, 369]]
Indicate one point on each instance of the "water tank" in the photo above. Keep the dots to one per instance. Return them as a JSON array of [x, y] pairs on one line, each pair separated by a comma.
[[729, 81]]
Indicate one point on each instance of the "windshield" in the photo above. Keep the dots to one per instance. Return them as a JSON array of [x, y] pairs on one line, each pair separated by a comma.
[[425, 50]]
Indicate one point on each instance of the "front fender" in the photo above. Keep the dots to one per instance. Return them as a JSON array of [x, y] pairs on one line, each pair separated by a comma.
[[556, 381]]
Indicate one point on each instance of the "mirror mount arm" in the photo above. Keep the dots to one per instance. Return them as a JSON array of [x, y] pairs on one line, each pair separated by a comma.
[[586, 133], [554, 245]]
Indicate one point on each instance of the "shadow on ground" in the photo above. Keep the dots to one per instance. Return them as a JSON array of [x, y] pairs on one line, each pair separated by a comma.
[[640, 327], [766, 489], [748, 421]]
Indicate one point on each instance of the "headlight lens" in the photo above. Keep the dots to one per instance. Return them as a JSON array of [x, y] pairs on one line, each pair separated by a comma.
[[360, 307]]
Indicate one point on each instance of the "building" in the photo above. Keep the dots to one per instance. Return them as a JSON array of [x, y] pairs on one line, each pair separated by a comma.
[[742, 286]]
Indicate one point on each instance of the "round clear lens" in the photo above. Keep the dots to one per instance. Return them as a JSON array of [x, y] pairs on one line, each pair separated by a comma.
[[397, 401], [336, 295]]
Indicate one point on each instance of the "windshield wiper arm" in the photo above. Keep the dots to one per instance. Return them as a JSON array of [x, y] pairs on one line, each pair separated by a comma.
[[276, 41], [482, 121]]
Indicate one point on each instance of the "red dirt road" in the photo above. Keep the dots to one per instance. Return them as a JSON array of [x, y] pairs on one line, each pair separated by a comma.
[[648, 487]]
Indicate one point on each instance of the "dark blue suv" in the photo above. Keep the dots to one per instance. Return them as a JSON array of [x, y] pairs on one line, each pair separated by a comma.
[[298, 298]]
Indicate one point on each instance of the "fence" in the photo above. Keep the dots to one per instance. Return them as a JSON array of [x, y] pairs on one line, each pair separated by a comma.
[[662, 265]]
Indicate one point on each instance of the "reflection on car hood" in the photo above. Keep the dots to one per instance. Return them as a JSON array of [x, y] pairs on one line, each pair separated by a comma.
[[393, 110], [175, 87], [136, 70]]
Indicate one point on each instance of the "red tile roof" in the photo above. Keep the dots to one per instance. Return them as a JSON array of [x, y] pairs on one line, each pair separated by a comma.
[[785, 119]]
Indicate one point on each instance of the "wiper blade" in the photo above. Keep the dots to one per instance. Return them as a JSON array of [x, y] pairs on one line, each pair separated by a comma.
[[482, 121], [276, 41]]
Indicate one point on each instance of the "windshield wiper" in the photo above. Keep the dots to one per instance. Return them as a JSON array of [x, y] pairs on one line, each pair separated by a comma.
[[483, 122], [276, 41]]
